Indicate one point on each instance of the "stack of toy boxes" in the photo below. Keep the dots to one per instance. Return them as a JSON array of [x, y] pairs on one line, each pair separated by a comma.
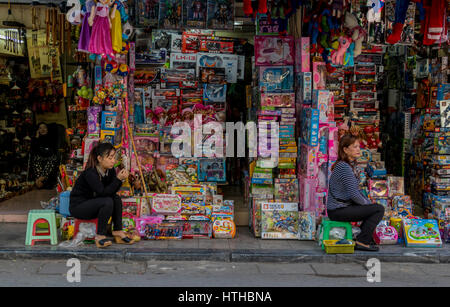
[[277, 148]]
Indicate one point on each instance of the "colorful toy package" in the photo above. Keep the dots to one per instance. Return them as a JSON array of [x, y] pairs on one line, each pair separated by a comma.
[[217, 60], [183, 60], [310, 126], [319, 75], [385, 235], [421, 233], [214, 93], [224, 229], [170, 14], [396, 185], [275, 51], [196, 229], [279, 220], [212, 170], [163, 231], [220, 14], [286, 190], [378, 188], [282, 100], [307, 225], [195, 13], [276, 78], [166, 203]]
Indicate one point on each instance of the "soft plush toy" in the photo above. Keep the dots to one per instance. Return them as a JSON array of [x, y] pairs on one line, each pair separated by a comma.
[[356, 31], [338, 57]]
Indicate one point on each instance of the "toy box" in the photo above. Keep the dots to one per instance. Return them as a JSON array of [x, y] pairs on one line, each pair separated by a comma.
[[220, 15], [310, 126], [396, 186], [227, 61], [165, 203], [214, 93], [305, 88], [279, 220], [278, 100], [385, 235], [274, 51], [142, 221], [107, 136], [256, 216], [195, 12], [421, 233], [319, 75], [276, 79], [286, 190], [94, 121], [307, 225], [321, 101], [176, 42], [224, 229], [444, 106], [171, 14], [213, 75], [307, 161], [302, 55], [307, 192], [215, 46], [212, 170], [183, 60], [163, 231], [177, 75], [268, 26], [147, 14], [378, 188], [443, 91], [196, 229]]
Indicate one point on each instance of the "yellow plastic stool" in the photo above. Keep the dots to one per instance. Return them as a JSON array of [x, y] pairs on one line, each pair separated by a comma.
[[38, 217]]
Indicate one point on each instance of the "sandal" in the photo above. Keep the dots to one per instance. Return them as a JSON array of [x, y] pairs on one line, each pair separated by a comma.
[[124, 240], [103, 243], [370, 248]]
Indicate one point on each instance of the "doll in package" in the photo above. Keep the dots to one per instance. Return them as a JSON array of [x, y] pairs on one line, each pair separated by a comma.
[[274, 50], [276, 79], [220, 14]]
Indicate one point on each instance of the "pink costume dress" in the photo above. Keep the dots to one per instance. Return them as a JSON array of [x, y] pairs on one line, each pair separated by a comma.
[[100, 42]]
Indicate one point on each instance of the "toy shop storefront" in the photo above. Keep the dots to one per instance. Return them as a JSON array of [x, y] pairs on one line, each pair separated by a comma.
[[131, 70]]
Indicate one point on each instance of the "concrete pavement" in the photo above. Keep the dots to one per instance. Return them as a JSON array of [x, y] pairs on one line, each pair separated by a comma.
[[243, 248]]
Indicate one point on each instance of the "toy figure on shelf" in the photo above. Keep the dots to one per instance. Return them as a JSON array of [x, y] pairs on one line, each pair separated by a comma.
[[338, 7], [85, 33], [198, 10], [100, 42]]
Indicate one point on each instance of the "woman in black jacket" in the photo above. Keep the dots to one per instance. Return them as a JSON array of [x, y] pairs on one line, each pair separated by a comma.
[[94, 194]]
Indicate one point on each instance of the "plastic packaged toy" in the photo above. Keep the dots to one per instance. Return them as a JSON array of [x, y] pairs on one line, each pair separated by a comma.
[[94, 121], [385, 235], [212, 75], [310, 126], [163, 231], [196, 229], [319, 75], [378, 188], [421, 233], [279, 220], [171, 14], [214, 93], [220, 14], [212, 170], [286, 190], [224, 229], [307, 225], [165, 204], [275, 51], [278, 100], [227, 61], [195, 13], [276, 79], [396, 186]]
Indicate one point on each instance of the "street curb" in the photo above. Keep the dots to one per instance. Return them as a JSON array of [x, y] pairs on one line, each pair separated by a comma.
[[220, 255]]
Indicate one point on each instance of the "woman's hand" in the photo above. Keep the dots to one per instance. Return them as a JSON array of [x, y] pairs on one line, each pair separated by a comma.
[[123, 174]]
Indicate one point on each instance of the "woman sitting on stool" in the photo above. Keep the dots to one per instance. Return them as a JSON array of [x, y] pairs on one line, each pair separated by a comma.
[[94, 194], [345, 201]]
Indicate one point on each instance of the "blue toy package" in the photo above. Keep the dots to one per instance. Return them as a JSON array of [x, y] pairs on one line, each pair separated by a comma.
[[109, 121], [310, 126], [214, 93], [212, 170], [276, 78], [443, 92]]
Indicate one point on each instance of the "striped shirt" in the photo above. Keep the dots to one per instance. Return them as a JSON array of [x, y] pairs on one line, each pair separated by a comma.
[[344, 188]]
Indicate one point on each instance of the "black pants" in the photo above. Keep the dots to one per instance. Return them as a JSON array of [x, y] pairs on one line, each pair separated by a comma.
[[370, 215], [102, 208]]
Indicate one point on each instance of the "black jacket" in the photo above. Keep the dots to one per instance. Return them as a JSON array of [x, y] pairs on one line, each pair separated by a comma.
[[91, 185]]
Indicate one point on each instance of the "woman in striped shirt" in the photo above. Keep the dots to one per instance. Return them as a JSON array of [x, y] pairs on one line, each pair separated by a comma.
[[345, 201]]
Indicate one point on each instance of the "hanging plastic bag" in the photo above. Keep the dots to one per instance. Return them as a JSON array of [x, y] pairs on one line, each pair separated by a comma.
[[86, 230], [355, 232]]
